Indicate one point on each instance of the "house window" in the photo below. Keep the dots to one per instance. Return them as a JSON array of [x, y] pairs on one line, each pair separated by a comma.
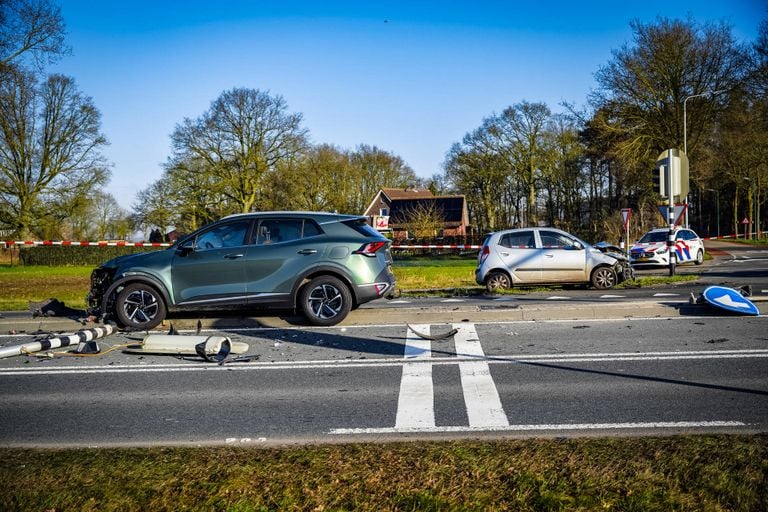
[[384, 212]]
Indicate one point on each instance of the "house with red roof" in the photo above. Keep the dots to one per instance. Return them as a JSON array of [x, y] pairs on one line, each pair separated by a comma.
[[392, 208]]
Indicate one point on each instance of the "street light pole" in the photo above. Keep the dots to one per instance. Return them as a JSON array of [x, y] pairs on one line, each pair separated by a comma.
[[685, 115], [685, 135]]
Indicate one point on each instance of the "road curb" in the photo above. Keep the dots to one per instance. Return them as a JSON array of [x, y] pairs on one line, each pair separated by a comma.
[[19, 322]]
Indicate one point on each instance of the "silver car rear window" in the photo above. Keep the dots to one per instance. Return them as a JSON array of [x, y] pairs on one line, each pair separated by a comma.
[[519, 240]]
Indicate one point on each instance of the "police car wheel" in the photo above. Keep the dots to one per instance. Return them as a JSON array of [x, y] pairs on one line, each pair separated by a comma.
[[700, 257]]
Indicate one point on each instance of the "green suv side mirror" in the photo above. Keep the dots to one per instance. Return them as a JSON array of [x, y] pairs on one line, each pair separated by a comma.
[[187, 247]]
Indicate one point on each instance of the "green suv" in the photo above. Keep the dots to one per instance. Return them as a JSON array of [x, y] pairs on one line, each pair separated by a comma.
[[320, 263]]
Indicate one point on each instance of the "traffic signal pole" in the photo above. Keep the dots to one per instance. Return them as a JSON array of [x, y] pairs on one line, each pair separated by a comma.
[[668, 176], [670, 179]]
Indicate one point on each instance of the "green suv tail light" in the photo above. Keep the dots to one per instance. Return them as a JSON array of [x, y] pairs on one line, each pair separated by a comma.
[[371, 248]]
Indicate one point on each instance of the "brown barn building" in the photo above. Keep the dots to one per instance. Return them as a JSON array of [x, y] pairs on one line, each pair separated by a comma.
[[391, 206]]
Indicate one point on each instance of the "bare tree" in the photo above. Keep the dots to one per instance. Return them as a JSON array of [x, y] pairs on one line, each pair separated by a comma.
[[563, 178], [244, 135], [109, 219], [474, 169], [377, 169], [645, 85], [518, 137], [322, 179], [154, 205], [50, 143], [33, 28], [497, 162], [422, 219]]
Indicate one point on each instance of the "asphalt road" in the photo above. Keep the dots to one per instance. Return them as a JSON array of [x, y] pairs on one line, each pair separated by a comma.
[[607, 377], [570, 362]]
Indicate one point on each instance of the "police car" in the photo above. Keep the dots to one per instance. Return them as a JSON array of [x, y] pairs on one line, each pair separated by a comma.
[[652, 249]]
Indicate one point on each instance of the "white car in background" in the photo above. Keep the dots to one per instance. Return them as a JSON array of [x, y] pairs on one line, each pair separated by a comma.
[[528, 256], [652, 249]]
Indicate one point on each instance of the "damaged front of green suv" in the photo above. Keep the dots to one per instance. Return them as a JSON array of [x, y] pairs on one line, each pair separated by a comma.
[[109, 280], [101, 280]]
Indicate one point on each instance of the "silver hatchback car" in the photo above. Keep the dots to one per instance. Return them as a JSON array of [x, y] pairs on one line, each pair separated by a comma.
[[529, 256]]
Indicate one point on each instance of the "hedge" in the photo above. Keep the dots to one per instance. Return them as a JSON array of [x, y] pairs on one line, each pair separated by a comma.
[[75, 255]]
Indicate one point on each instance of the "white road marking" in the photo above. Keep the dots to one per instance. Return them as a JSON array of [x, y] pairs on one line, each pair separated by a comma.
[[556, 297], [505, 299], [612, 296], [399, 302], [387, 362], [534, 428], [481, 397], [245, 440], [416, 403], [666, 294], [453, 300]]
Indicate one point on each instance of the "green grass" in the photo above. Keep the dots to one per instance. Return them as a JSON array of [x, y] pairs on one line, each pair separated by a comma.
[[646, 281], [709, 473], [750, 241], [19, 285], [429, 274]]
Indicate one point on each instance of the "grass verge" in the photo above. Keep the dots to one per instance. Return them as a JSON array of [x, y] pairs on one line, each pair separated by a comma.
[[20, 285], [715, 473]]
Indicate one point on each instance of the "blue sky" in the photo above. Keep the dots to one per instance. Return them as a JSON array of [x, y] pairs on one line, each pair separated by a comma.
[[409, 77]]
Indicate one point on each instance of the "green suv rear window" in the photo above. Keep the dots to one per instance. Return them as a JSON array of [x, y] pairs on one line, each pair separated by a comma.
[[362, 227]]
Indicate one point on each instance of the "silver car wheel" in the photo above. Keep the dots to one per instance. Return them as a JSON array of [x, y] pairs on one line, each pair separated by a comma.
[[604, 278], [497, 281]]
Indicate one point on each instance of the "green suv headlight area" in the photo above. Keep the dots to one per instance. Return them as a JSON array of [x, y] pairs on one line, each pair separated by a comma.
[[321, 264]]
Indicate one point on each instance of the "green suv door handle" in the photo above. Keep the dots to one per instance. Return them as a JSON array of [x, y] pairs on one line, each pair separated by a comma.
[[308, 251]]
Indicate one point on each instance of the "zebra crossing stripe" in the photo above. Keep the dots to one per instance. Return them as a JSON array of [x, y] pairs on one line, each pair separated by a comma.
[[416, 403], [481, 397]]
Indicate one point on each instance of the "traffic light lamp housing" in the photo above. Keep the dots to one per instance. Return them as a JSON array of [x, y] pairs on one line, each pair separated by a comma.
[[670, 177]]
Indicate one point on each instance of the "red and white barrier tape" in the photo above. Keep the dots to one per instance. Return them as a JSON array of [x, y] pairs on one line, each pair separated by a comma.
[[70, 243], [436, 246]]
